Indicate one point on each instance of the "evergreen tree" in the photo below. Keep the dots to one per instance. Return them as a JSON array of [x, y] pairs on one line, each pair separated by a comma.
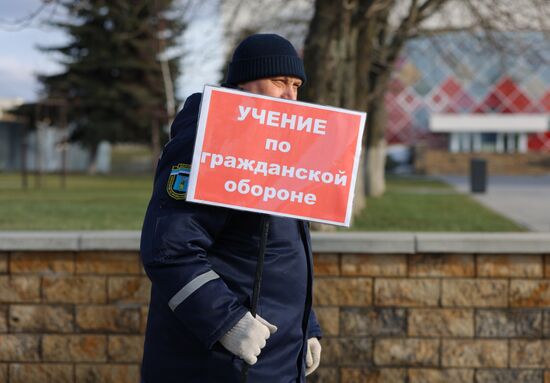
[[112, 77]]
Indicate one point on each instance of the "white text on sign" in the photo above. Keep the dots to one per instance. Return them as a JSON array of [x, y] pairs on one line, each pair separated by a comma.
[[283, 120], [266, 168], [267, 193]]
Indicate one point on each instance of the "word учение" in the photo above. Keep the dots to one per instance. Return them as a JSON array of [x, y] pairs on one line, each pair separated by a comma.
[[284, 120]]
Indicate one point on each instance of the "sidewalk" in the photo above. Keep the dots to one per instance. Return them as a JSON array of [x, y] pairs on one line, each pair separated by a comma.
[[523, 199]]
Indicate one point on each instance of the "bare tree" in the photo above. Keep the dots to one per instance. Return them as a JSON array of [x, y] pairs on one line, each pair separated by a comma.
[[242, 18], [288, 18], [352, 46]]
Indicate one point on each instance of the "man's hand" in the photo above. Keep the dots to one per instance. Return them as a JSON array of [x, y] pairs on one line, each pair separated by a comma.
[[313, 356], [247, 338]]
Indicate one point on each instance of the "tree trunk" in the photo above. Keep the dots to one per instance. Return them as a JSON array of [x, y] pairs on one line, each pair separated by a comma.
[[330, 56], [335, 54], [360, 198], [376, 163], [376, 148]]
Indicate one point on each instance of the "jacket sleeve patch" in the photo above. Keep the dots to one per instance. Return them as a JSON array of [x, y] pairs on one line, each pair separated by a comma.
[[178, 181]]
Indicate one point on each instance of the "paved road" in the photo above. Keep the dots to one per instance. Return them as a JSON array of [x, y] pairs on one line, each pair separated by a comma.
[[523, 199]]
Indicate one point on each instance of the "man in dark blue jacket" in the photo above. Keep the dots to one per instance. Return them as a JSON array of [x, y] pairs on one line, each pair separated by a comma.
[[201, 259]]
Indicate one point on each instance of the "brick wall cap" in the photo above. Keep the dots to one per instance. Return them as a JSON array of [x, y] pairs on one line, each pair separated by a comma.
[[39, 240], [484, 243], [68, 240], [361, 242], [349, 242], [110, 240]]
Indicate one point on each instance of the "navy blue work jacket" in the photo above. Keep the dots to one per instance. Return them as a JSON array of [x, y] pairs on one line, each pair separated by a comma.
[[201, 260]]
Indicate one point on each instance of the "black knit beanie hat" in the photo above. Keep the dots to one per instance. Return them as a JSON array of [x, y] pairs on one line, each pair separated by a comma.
[[261, 56]]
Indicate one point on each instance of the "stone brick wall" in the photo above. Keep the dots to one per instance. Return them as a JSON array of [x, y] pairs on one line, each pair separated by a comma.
[[424, 318], [435, 162], [403, 308], [71, 316]]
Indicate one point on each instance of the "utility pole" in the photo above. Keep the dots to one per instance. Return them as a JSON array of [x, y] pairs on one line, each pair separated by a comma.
[[64, 143], [38, 148], [170, 106], [24, 150]]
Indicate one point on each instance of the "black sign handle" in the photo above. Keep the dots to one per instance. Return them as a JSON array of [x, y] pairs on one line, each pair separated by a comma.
[[264, 232]]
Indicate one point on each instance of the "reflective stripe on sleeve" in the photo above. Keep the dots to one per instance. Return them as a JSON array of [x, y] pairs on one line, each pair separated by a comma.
[[190, 288]]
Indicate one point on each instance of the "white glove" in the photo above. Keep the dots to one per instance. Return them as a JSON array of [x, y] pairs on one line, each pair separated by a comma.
[[248, 337], [313, 356]]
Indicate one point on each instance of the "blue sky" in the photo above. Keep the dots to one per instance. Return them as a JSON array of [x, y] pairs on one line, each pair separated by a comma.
[[20, 60]]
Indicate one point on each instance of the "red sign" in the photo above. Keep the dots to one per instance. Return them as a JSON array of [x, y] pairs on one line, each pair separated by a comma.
[[276, 156]]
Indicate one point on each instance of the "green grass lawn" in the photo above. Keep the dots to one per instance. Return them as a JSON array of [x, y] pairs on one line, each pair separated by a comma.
[[88, 203], [416, 204], [119, 203]]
